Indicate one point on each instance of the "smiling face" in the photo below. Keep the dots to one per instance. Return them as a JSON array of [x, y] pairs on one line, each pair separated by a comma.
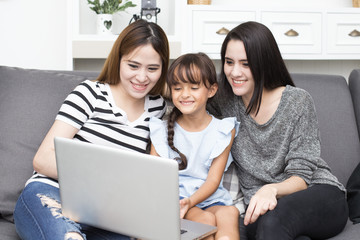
[[237, 70], [139, 71], [190, 97]]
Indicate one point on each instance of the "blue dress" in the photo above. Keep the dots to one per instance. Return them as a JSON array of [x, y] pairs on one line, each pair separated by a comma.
[[200, 148]]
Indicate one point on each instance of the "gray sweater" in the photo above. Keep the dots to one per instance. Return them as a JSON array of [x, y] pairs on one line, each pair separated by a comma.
[[287, 145]]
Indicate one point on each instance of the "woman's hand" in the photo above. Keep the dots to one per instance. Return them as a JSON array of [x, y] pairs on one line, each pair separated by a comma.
[[185, 205], [264, 200]]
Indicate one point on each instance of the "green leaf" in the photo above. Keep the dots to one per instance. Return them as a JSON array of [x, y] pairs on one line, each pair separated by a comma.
[[109, 6]]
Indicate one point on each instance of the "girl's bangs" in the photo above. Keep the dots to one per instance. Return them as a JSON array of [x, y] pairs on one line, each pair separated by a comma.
[[186, 73]]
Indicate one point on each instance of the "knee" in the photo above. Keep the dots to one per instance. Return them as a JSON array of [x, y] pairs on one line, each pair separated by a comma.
[[228, 211], [232, 211], [206, 218], [269, 221], [73, 236], [268, 225]]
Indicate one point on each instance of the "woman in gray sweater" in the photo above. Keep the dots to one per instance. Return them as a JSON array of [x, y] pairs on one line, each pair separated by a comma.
[[288, 189]]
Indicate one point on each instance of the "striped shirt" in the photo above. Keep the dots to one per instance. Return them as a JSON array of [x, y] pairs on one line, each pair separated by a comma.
[[90, 107]]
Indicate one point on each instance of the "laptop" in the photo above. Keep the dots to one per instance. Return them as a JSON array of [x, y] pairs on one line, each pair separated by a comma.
[[122, 191]]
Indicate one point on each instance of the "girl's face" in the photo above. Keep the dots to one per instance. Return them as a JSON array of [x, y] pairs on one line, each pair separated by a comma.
[[191, 98], [139, 71], [237, 70]]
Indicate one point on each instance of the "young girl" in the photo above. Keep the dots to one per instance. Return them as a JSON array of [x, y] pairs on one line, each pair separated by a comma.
[[200, 143], [113, 110]]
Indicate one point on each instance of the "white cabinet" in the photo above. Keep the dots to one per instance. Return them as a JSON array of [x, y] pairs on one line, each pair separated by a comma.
[[302, 34], [211, 27], [295, 32], [343, 34]]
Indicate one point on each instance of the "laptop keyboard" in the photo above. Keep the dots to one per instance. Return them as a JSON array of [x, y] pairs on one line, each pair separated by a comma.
[[182, 231]]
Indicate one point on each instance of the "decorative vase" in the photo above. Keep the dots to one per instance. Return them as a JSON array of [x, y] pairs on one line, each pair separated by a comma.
[[104, 23]]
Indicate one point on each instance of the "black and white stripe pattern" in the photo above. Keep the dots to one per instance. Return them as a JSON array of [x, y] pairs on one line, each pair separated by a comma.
[[91, 109]]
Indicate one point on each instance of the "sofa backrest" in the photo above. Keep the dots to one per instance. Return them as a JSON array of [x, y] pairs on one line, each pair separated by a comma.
[[340, 146], [29, 102], [354, 85]]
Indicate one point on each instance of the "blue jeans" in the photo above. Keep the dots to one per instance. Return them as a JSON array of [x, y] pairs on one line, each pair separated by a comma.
[[38, 216]]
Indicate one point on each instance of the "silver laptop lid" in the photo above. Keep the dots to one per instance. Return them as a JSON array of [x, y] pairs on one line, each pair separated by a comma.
[[121, 191]]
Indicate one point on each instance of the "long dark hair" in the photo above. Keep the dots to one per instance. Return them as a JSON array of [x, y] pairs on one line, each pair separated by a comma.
[[264, 58], [193, 68], [137, 34]]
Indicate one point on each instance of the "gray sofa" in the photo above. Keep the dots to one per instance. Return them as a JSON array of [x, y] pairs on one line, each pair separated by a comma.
[[30, 99]]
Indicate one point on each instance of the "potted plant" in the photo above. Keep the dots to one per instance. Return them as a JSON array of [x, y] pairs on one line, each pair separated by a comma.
[[105, 10]]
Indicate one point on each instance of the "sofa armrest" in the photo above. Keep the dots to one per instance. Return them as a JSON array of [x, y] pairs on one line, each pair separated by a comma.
[[354, 85]]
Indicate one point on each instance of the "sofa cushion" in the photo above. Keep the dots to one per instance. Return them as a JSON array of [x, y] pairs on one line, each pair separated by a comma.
[[350, 231], [338, 130], [29, 101], [7, 231]]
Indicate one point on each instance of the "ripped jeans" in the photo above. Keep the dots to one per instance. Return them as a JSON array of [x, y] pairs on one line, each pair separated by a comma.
[[38, 216]]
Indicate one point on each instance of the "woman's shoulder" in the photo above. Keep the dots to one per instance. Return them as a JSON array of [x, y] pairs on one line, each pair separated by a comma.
[[156, 100], [91, 85], [298, 98], [297, 94], [156, 105]]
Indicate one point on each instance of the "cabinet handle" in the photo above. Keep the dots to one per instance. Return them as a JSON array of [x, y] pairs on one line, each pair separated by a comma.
[[292, 33], [222, 31], [354, 33]]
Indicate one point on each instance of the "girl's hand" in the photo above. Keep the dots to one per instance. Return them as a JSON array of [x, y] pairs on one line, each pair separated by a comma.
[[263, 201], [184, 206]]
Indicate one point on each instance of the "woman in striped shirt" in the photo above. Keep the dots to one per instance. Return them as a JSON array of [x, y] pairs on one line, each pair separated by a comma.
[[114, 111]]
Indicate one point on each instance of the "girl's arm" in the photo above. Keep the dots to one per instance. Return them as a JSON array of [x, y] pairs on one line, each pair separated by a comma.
[[213, 179], [44, 161]]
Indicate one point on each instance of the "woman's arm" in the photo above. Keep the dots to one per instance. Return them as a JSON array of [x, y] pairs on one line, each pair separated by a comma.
[[153, 151], [213, 179], [44, 161], [266, 197]]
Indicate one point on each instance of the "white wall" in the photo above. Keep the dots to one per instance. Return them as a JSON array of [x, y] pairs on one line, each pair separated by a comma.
[[33, 34]]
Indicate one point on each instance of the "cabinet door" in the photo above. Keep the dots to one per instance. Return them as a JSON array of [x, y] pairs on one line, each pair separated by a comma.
[[343, 33], [295, 32], [210, 28]]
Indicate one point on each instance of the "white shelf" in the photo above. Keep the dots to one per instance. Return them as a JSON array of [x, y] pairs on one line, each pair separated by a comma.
[[97, 46], [93, 46]]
